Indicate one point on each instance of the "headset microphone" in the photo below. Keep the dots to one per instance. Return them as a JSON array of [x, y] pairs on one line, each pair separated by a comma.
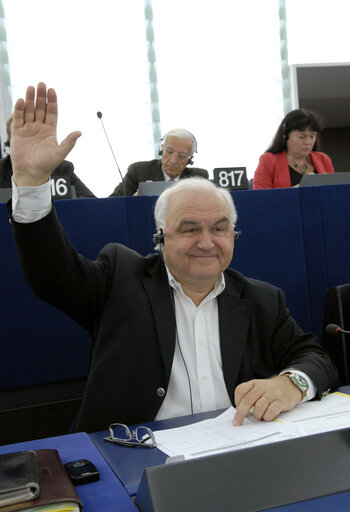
[[99, 115], [335, 329]]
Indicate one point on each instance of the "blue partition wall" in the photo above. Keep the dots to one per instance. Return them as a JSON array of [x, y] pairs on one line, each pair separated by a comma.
[[38, 343], [326, 228], [271, 246], [297, 239]]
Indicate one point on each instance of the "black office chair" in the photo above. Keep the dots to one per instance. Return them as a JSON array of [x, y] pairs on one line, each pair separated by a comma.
[[337, 311]]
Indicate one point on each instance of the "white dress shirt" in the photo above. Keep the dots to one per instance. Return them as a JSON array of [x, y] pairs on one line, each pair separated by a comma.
[[30, 204], [197, 380], [167, 177]]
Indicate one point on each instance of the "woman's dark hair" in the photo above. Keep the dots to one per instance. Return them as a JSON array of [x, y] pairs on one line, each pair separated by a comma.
[[298, 119]]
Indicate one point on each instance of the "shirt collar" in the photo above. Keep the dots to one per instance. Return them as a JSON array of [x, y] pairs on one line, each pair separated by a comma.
[[218, 287], [167, 178]]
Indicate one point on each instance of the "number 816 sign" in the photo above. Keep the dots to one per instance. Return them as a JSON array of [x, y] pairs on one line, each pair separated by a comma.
[[233, 178], [60, 189]]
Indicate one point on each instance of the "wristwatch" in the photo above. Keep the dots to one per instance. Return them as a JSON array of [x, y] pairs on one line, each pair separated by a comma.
[[299, 381]]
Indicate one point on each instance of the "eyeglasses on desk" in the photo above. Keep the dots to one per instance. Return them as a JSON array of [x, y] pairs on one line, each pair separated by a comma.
[[140, 436]]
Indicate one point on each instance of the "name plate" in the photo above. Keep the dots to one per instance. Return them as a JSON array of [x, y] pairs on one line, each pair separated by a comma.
[[61, 188], [232, 178]]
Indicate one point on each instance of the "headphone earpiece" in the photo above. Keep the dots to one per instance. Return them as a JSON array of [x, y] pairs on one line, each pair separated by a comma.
[[158, 238], [160, 152]]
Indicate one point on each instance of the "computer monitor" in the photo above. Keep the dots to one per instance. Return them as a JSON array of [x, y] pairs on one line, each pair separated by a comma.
[[153, 188], [312, 180]]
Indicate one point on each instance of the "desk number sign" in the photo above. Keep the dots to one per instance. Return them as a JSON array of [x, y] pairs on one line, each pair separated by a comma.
[[233, 178], [60, 188]]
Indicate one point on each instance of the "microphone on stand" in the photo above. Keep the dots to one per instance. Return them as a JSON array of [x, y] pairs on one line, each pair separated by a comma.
[[99, 115], [335, 329]]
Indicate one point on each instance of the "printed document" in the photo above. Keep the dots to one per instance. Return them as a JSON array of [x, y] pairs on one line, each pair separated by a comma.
[[218, 435]]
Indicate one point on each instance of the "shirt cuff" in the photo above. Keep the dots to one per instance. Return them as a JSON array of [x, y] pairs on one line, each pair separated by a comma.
[[30, 204], [311, 392]]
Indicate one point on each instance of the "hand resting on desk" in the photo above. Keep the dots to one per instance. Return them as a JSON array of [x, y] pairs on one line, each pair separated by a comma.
[[267, 397]]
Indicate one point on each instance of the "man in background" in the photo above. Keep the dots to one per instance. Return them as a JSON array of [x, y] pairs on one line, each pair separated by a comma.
[[65, 170], [177, 150]]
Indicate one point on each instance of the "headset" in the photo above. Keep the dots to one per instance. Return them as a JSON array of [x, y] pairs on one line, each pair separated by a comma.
[[158, 238], [190, 162]]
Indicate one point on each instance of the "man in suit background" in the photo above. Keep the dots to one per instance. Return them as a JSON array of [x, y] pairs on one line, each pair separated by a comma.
[[65, 170], [177, 150]]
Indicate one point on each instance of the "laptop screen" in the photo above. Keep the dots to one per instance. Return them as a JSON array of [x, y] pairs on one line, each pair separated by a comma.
[[153, 188], [312, 180]]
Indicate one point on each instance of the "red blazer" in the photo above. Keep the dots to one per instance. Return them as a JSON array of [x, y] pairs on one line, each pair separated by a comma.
[[273, 170]]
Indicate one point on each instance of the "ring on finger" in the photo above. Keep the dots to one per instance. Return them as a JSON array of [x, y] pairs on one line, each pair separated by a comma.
[[266, 400]]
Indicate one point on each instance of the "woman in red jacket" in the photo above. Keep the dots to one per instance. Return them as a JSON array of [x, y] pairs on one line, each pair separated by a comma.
[[293, 153]]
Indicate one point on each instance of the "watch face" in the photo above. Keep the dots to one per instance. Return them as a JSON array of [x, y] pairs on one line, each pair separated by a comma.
[[300, 382]]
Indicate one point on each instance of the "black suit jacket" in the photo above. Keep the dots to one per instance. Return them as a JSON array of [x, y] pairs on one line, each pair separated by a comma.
[[150, 170], [65, 169], [124, 301]]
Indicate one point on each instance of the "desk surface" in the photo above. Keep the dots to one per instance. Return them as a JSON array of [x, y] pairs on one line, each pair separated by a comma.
[[108, 494], [129, 464]]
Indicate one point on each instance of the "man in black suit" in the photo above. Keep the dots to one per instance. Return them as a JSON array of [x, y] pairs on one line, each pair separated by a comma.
[[173, 333], [178, 148], [64, 170]]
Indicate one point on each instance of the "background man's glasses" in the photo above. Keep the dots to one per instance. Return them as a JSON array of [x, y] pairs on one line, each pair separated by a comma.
[[183, 157], [139, 436]]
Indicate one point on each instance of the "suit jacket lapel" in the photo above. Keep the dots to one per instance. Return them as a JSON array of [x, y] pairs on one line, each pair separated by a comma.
[[159, 293], [234, 319], [157, 173]]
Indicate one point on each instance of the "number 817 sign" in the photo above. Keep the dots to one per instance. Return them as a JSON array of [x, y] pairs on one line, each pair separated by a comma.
[[233, 178]]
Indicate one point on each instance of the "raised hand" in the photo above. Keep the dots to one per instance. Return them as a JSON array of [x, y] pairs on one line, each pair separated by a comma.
[[35, 152]]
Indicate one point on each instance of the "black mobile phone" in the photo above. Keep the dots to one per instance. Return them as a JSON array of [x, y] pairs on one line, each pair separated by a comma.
[[82, 471]]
